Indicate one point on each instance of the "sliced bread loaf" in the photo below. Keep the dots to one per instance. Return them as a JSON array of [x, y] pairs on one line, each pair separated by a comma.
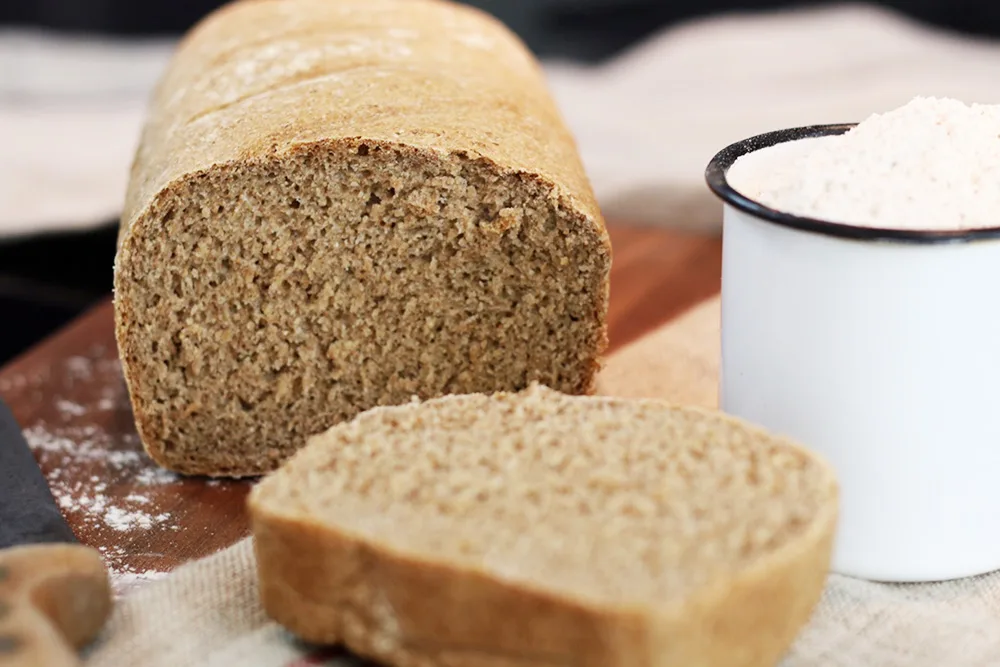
[[543, 529], [338, 204]]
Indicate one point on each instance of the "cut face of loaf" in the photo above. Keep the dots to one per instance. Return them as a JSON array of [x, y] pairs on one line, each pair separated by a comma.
[[339, 204], [543, 529]]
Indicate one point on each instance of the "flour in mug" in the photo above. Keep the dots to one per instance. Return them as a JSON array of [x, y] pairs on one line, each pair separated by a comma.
[[933, 164]]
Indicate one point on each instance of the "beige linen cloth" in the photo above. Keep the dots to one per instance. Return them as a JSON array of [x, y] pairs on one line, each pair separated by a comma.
[[647, 122], [207, 613]]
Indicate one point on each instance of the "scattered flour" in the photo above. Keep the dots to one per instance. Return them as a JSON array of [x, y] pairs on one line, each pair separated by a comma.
[[78, 449], [122, 519], [69, 408], [80, 367], [72, 448], [15, 383], [933, 164], [102, 481], [106, 403], [80, 443], [155, 476]]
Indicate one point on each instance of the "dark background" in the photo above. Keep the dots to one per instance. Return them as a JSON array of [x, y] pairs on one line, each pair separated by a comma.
[[47, 280]]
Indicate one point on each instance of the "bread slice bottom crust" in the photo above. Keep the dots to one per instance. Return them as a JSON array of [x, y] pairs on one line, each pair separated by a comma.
[[324, 587]]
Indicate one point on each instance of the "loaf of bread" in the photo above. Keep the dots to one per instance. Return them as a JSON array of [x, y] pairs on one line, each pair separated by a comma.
[[339, 204], [543, 529]]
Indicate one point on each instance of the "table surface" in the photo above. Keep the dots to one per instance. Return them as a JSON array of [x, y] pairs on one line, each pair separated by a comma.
[[69, 397]]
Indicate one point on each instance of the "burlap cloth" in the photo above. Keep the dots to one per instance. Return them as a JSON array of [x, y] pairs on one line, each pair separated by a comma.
[[207, 613]]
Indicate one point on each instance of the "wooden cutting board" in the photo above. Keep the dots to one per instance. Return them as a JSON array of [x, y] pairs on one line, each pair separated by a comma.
[[69, 397]]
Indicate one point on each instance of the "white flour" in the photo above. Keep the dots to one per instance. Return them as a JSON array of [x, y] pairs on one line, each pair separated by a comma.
[[87, 497], [70, 408], [69, 447], [933, 164], [114, 495]]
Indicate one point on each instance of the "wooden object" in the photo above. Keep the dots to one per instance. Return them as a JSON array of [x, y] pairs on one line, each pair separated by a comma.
[[68, 395], [54, 599]]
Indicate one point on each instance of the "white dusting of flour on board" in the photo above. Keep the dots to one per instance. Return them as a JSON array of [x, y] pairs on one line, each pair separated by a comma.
[[72, 445], [121, 519], [76, 494], [69, 408], [933, 164]]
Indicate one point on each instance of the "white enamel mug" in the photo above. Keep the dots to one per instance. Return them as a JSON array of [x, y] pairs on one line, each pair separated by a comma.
[[880, 350]]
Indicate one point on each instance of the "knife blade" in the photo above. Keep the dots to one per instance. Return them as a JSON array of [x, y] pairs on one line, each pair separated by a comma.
[[54, 592]]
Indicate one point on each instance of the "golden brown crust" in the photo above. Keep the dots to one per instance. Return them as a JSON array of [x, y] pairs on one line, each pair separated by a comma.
[[328, 585], [256, 77]]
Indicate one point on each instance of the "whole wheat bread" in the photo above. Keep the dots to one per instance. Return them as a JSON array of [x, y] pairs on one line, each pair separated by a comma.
[[338, 204], [543, 529]]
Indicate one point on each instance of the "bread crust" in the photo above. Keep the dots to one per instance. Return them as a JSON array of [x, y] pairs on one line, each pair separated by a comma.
[[256, 78], [405, 609]]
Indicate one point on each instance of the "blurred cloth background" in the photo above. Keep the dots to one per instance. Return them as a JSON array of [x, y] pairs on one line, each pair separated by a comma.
[[651, 89]]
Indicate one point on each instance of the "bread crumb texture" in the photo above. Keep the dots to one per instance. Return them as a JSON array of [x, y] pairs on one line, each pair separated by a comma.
[[339, 204], [549, 528]]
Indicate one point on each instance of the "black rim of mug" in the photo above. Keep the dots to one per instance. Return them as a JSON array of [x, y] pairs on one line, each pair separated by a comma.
[[715, 176]]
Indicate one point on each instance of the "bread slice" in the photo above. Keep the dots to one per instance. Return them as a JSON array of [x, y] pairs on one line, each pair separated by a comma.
[[543, 529], [338, 204]]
